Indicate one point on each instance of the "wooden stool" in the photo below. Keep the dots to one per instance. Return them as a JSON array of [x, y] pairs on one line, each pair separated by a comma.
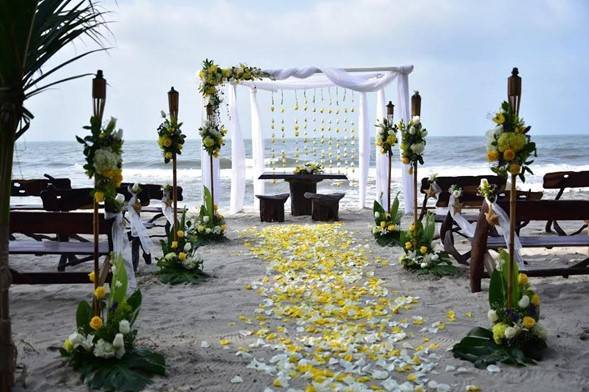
[[325, 207], [272, 207]]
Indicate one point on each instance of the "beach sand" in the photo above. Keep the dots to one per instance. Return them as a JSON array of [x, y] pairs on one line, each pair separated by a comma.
[[175, 320]]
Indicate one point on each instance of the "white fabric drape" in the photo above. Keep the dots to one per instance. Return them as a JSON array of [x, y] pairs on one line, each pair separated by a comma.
[[403, 110], [257, 147], [120, 245], [364, 149], [504, 228], [382, 160], [206, 166], [167, 206], [138, 229], [237, 154], [467, 227]]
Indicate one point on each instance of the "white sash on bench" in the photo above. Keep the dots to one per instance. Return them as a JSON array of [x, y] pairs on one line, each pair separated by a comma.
[[137, 227], [120, 244]]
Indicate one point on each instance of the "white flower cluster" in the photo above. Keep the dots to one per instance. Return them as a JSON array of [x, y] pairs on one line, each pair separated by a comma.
[[105, 159], [102, 348]]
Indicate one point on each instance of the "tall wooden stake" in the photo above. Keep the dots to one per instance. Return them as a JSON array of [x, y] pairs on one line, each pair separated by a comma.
[[99, 100], [389, 183], [415, 111], [210, 118], [173, 105]]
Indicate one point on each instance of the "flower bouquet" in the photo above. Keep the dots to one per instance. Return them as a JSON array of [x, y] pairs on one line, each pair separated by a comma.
[[181, 262], [309, 168], [387, 225], [102, 348], [211, 224], [386, 137], [420, 255], [213, 137], [516, 336], [412, 141], [170, 138]]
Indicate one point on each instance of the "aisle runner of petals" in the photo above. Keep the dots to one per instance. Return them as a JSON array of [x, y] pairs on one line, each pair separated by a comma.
[[330, 321]]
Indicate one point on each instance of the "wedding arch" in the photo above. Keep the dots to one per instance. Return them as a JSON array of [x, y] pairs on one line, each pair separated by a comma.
[[359, 80]]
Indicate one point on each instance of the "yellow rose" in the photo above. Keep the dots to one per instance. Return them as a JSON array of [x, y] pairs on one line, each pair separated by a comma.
[[391, 228], [118, 179], [408, 245], [528, 322], [522, 279], [514, 168], [201, 74], [100, 292], [499, 118], [96, 323], [99, 196], [405, 160], [499, 332], [208, 141], [423, 250], [383, 224], [68, 345], [174, 244], [391, 139], [508, 154], [180, 234], [535, 300], [92, 277], [167, 142], [168, 155], [492, 155], [182, 256]]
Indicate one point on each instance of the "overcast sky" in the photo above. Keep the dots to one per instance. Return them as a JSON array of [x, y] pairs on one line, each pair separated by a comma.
[[462, 51]]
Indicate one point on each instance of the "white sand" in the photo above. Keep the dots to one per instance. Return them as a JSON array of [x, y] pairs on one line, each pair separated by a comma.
[[175, 320]]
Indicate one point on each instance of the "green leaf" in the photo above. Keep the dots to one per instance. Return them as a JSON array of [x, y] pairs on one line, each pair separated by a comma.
[[120, 284], [497, 291], [83, 316]]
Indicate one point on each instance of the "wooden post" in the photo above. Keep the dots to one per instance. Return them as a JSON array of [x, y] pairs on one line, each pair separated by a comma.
[[210, 117], [390, 114], [99, 100], [173, 105], [415, 111]]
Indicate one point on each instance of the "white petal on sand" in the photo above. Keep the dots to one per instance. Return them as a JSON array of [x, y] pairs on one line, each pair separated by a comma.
[[236, 380]]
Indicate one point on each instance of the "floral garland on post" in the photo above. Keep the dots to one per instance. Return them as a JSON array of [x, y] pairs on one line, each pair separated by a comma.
[[170, 138], [102, 348], [212, 77], [386, 138], [309, 168]]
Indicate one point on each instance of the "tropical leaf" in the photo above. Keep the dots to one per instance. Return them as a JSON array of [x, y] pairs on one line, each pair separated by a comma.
[[497, 291], [83, 316]]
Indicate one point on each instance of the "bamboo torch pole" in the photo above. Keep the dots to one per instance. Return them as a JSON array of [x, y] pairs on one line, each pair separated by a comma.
[[98, 102], [173, 103], [390, 113], [514, 90], [210, 115], [415, 111]]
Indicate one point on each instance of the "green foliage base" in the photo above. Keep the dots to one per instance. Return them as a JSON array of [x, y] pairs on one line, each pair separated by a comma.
[[387, 225]]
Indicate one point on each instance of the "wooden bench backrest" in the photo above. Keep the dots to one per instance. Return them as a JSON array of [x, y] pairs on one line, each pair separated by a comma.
[[469, 186], [148, 192], [67, 199], [65, 223], [566, 179], [545, 210], [36, 186]]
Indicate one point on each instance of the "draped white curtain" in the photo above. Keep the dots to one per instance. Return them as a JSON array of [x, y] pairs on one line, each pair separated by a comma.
[[404, 114], [206, 167], [382, 166], [307, 78]]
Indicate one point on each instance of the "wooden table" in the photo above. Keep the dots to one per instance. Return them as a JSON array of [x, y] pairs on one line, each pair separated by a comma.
[[299, 184]]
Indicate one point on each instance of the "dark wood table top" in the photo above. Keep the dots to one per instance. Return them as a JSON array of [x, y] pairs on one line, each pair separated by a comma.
[[292, 176]]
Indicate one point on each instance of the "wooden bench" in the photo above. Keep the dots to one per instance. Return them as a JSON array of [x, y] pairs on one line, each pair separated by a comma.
[[324, 207], [534, 210], [272, 207], [65, 225], [562, 181], [28, 188], [448, 227]]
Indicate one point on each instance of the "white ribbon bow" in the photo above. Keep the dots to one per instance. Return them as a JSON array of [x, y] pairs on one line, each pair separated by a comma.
[[137, 227], [120, 245], [167, 206], [504, 225]]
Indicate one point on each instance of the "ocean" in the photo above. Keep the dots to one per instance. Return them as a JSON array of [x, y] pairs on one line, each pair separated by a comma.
[[447, 156]]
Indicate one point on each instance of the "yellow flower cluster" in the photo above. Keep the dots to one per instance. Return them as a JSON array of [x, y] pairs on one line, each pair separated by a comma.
[[327, 314]]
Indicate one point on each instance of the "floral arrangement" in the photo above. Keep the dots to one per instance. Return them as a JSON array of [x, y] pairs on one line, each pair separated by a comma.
[[103, 150], [309, 168], [102, 348], [509, 147], [412, 141], [420, 255], [387, 225], [487, 191], [386, 137], [212, 77], [171, 139], [516, 336], [180, 262], [211, 224], [213, 137]]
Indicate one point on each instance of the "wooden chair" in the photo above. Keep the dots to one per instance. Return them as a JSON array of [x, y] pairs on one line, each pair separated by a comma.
[[534, 210], [449, 227], [324, 208], [562, 181], [34, 187], [272, 207], [65, 225]]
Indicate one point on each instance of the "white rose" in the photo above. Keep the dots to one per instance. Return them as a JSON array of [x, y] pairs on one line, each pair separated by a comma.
[[76, 339], [187, 247], [492, 316], [423, 265], [524, 302], [208, 230], [120, 198], [418, 148], [205, 219], [457, 193], [88, 343], [416, 119], [118, 341], [104, 349], [124, 327], [412, 131], [376, 214], [424, 132], [217, 230], [539, 331], [136, 188], [119, 352], [510, 332], [118, 134]]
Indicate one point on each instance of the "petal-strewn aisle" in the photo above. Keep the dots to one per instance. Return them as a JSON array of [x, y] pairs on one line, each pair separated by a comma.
[[328, 319]]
